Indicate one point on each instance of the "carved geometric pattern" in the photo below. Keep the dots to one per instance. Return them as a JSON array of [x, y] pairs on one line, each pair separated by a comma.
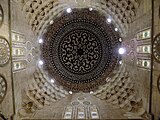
[[120, 91], [84, 47], [80, 49], [84, 110], [158, 84], [156, 48], [4, 51], [40, 93], [39, 13], [3, 88], [1, 15]]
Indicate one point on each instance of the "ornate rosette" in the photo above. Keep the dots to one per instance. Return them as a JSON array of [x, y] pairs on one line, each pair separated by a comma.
[[4, 51], [156, 48], [80, 50], [1, 15], [3, 88]]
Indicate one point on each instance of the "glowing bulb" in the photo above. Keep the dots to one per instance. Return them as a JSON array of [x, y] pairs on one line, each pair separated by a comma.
[[116, 29], [90, 9], [120, 62], [121, 51], [40, 41], [52, 80], [91, 92], [40, 62], [109, 20], [70, 92], [69, 10], [51, 22], [120, 39]]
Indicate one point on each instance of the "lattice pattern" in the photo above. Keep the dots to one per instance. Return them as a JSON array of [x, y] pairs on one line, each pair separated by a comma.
[[40, 12], [79, 48], [120, 91], [42, 93]]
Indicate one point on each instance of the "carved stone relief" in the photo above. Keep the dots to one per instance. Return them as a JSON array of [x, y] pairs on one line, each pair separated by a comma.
[[84, 110], [120, 91], [4, 51], [3, 88], [1, 15], [156, 48]]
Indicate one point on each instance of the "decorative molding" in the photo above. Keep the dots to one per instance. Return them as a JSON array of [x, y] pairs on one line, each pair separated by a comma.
[[159, 12], [40, 93], [80, 49], [81, 108], [1, 15], [4, 51], [19, 65], [39, 15], [3, 88], [144, 34], [158, 83], [120, 91], [156, 48]]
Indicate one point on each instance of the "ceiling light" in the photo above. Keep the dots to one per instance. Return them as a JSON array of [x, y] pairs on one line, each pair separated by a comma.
[[121, 51], [120, 39], [120, 62], [70, 92], [69, 10], [51, 22], [40, 62], [40, 41], [90, 9], [116, 29], [52, 80], [109, 20]]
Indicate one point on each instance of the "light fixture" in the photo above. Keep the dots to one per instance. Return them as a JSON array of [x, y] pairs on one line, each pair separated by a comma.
[[40, 41], [120, 62], [116, 29], [120, 39], [90, 9], [70, 92], [40, 62], [121, 51], [109, 20], [52, 80], [91, 92], [51, 22], [69, 10]]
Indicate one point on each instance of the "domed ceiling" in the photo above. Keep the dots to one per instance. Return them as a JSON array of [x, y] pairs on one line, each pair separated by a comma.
[[80, 49]]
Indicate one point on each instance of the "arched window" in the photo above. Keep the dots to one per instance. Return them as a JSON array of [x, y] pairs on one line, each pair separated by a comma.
[[81, 109]]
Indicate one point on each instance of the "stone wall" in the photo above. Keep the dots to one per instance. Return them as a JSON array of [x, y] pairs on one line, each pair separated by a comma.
[[156, 65], [140, 76], [6, 107], [28, 41], [22, 77]]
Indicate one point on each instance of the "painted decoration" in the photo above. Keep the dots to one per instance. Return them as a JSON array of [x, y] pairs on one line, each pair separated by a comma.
[[18, 51], [17, 38], [144, 63], [144, 49], [80, 50], [146, 34], [19, 65], [4, 51]]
